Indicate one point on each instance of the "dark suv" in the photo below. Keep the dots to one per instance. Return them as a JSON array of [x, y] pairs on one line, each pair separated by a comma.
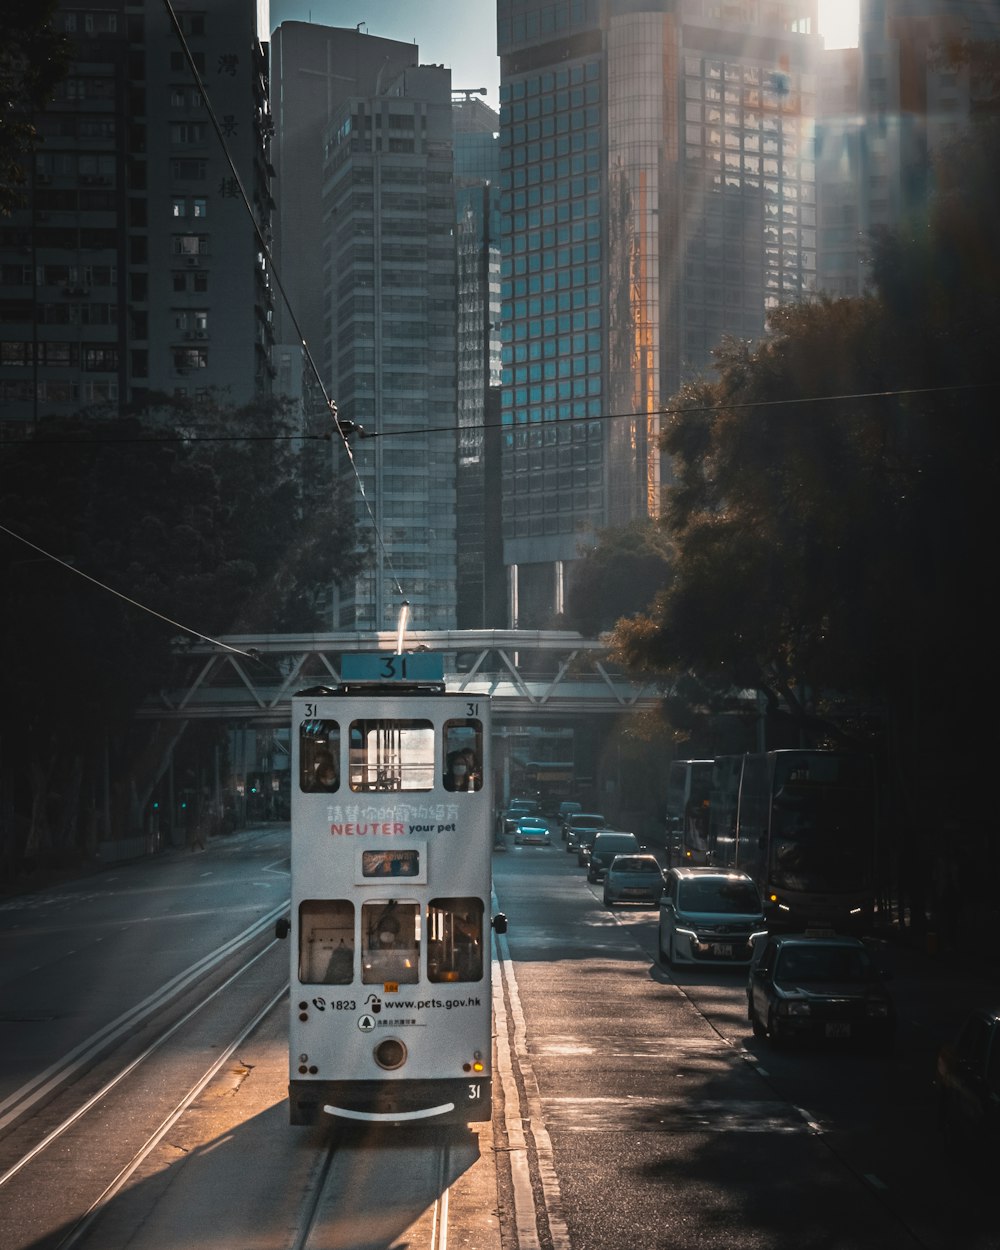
[[580, 828], [607, 845]]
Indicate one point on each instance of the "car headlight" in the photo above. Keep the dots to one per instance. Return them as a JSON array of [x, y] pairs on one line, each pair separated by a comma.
[[794, 1007]]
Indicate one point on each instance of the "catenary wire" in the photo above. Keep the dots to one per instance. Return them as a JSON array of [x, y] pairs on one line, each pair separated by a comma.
[[669, 411], [273, 269], [250, 655]]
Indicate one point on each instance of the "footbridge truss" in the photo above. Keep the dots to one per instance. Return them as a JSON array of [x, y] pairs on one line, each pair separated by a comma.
[[527, 673]]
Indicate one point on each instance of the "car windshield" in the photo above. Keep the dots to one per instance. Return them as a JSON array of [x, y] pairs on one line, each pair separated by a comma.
[[719, 894], [822, 963], [635, 863], [585, 820]]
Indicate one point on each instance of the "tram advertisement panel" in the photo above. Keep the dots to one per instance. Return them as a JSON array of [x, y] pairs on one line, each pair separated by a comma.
[[390, 915]]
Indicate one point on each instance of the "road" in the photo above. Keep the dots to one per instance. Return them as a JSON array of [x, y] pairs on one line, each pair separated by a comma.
[[142, 1089]]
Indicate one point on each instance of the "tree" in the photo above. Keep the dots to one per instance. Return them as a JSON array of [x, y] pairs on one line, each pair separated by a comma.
[[34, 58], [618, 577], [196, 532], [834, 489]]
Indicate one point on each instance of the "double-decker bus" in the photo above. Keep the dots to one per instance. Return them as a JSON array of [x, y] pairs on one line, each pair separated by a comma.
[[390, 922], [686, 832], [803, 824]]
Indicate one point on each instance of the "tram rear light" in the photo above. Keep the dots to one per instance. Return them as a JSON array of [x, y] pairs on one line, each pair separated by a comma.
[[477, 1066]]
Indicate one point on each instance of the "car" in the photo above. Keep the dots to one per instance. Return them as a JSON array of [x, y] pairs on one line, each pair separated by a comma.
[[566, 809], [587, 823], [606, 845], [968, 1078], [517, 808], [805, 987], [633, 879], [531, 831], [709, 916]]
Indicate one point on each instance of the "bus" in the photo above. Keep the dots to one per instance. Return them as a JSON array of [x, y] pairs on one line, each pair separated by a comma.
[[803, 824], [687, 812], [391, 881]]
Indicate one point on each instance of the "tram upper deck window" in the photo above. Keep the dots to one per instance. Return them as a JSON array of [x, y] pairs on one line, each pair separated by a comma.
[[392, 755], [463, 754], [319, 756]]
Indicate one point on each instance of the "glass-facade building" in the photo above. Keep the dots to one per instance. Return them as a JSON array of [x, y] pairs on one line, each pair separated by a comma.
[[657, 193], [390, 329], [480, 589]]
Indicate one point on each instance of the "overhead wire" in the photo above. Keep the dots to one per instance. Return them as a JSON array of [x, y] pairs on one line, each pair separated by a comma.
[[273, 270], [250, 655], [667, 411]]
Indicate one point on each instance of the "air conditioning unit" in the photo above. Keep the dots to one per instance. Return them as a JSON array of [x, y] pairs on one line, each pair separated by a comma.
[[201, 334], [188, 334], [193, 260]]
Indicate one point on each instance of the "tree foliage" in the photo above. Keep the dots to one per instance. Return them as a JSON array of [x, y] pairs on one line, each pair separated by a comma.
[[163, 525], [619, 577], [33, 59], [835, 491]]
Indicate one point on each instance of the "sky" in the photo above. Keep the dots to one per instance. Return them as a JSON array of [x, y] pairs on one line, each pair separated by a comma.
[[462, 33]]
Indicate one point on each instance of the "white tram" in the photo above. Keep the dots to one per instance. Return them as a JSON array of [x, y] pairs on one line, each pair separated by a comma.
[[390, 897]]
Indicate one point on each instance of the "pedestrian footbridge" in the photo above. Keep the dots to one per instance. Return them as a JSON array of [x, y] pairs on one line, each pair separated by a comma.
[[526, 673]]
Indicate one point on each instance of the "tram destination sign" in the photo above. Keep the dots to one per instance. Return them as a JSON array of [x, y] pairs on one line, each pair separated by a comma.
[[383, 666]]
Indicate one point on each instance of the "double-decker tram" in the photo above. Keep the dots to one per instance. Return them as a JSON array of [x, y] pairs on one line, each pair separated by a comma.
[[390, 923]]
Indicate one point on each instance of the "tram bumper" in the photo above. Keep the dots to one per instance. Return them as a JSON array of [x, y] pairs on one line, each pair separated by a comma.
[[453, 1101]]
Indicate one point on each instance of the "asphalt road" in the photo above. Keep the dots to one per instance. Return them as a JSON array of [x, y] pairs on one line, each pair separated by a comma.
[[634, 1107]]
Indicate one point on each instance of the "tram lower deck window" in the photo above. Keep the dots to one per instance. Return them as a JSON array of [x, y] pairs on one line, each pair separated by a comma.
[[390, 942], [455, 939], [326, 942]]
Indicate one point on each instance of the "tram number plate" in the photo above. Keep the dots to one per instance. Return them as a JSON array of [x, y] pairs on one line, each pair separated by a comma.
[[838, 1029], [724, 950], [475, 1092]]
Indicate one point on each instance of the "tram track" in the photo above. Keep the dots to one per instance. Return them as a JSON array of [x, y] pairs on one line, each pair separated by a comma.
[[115, 1097]]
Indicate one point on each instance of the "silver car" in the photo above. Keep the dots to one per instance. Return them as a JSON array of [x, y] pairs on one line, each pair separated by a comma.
[[633, 879], [709, 916]]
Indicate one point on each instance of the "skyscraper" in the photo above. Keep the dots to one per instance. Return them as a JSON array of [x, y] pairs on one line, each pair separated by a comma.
[[390, 326], [657, 192], [480, 590], [888, 105], [134, 267]]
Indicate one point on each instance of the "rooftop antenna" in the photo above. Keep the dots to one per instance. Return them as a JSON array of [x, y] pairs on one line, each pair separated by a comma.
[[359, 25], [469, 92]]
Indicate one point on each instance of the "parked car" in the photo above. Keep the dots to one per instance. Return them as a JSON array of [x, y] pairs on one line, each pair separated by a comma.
[[709, 916], [532, 831], [633, 879], [566, 809], [968, 1076], [517, 808], [606, 845], [823, 989], [582, 823]]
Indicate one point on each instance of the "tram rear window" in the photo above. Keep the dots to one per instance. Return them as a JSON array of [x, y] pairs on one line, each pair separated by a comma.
[[463, 754], [319, 753], [390, 942], [455, 939], [326, 942], [392, 755]]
